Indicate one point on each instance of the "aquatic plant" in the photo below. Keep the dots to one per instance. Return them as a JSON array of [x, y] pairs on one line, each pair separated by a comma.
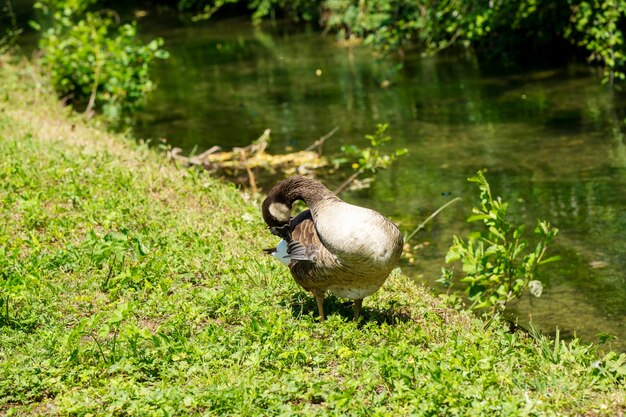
[[368, 160]]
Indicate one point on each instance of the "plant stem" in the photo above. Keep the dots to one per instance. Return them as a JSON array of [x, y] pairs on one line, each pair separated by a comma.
[[94, 90], [95, 339], [12, 16], [429, 218], [110, 274]]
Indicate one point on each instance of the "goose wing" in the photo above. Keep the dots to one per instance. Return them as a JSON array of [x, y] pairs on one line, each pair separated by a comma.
[[311, 263], [308, 259], [305, 244]]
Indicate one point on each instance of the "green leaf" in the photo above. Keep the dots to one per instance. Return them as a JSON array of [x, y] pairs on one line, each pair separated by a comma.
[[477, 217], [494, 231], [35, 25], [141, 248], [550, 259], [452, 256], [104, 331]]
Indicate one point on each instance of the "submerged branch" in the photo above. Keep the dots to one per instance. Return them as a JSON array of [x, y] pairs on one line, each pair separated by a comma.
[[253, 156]]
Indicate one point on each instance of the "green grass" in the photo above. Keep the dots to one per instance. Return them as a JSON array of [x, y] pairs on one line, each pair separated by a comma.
[[129, 286]]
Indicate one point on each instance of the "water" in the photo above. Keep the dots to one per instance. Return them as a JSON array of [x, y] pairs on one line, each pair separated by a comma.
[[552, 140]]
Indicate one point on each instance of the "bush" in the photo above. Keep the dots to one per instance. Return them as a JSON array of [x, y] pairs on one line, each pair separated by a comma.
[[95, 62], [506, 30], [596, 26], [305, 10]]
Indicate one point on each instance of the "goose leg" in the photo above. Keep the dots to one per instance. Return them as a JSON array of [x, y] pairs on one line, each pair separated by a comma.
[[357, 308], [319, 297]]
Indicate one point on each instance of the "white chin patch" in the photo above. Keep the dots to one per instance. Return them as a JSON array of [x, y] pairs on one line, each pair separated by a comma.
[[280, 212], [281, 253]]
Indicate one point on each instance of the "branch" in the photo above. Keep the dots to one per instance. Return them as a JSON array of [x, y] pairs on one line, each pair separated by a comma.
[[320, 142], [347, 182]]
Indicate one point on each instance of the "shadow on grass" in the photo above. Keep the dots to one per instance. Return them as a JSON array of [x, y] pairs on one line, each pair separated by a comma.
[[303, 304]]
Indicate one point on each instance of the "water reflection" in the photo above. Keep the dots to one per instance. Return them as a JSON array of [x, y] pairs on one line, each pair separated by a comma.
[[552, 141]]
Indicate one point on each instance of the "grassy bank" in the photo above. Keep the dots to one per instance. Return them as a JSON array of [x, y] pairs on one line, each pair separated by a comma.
[[131, 287]]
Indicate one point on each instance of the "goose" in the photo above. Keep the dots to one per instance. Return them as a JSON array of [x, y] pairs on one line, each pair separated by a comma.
[[333, 246]]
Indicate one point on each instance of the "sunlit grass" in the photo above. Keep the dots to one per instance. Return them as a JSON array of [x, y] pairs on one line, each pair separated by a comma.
[[129, 286]]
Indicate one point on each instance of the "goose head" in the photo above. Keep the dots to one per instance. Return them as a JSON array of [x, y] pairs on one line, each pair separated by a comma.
[[276, 207], [276, 211]]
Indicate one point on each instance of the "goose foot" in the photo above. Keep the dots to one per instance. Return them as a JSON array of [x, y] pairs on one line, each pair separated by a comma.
[[320, 305], [357, 308]]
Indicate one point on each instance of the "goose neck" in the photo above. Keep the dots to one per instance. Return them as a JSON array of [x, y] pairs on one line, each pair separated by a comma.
[[308, 190]]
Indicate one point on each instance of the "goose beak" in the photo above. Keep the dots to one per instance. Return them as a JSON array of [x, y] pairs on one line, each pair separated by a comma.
[[282, 231]]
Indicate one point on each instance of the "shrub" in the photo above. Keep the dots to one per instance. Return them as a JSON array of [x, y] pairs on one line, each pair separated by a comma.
[[95, 62], [496, 266], [596, 26], [506, 30]]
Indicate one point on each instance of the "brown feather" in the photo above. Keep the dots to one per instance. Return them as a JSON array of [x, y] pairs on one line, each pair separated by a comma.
[[320, 266]]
